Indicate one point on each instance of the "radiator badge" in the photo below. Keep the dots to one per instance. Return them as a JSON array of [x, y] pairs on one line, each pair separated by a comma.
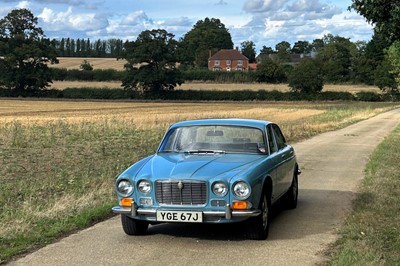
[[180, 185]]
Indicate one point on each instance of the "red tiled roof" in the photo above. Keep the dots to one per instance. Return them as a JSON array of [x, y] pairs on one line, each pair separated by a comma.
[[228, 54]]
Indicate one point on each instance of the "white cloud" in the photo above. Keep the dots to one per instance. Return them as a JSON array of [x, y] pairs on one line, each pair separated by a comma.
[[259, 6], [136, 18], [23, 4], [69, 20]]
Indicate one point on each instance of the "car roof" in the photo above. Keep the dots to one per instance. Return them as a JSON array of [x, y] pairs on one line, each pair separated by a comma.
[[231, 122]]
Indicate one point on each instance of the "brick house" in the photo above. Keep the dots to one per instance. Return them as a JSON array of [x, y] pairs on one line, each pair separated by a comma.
[[228, 60]]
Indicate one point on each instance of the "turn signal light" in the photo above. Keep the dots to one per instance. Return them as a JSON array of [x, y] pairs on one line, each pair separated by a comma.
[[126, 202], [239, 205]]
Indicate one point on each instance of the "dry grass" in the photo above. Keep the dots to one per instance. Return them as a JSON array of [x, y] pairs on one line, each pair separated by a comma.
[[97, 63], [145, 115], [295, 120], [206, 86]]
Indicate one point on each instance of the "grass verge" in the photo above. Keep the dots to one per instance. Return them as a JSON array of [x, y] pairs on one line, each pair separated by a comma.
[[371, 235]]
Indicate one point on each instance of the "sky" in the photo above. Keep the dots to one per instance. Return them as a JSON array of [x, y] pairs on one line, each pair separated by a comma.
[[265, 22]]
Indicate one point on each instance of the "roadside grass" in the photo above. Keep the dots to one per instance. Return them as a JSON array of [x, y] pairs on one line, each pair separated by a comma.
[[371, 235], [59, 159]]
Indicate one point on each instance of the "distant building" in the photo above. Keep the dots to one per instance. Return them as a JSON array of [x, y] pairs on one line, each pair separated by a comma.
[[228, 60]]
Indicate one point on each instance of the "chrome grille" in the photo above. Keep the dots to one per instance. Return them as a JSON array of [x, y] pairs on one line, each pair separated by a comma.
[[190, 193]]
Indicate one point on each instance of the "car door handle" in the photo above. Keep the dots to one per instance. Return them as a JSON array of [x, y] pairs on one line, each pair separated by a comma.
[[283, 156]]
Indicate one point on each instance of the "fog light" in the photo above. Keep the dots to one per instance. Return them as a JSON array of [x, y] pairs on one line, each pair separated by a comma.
[[146, 201], [126, 202]]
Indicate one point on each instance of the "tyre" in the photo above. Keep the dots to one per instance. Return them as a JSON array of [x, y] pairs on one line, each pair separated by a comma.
[[292, 194], [258, 227], [133, 227]]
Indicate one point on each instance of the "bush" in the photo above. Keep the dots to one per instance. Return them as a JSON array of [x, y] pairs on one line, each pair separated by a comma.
[[306, 77], [368, 96], [90, 93]]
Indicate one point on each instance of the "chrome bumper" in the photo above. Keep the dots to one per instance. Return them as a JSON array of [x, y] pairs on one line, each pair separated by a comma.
[[228, 213]]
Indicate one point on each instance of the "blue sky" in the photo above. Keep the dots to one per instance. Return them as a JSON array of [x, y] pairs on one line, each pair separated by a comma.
[[265, 22]]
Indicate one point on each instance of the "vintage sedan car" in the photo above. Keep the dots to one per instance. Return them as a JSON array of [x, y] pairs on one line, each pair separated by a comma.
[[210, 171]]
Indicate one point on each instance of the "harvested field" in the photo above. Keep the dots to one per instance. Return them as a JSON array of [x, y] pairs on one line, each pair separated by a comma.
[[60, 85], [97, 63]]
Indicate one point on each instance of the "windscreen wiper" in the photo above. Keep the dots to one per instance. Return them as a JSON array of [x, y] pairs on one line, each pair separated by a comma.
[[205, 152]]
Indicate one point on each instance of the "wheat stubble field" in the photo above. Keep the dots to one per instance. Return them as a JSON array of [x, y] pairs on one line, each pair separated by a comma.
[[59, 158]]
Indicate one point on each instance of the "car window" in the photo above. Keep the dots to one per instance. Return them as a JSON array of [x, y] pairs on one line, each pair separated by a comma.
[[271, 141], [219, 137], [280, 139]]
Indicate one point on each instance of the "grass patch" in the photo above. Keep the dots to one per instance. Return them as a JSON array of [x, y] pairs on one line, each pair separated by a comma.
[[58, 177], [59, 159], [371, 236]]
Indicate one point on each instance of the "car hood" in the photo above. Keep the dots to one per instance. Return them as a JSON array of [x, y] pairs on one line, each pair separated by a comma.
[[195, 166]]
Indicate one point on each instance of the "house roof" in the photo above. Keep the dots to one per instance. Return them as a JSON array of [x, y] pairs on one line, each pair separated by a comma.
[[228, 54]]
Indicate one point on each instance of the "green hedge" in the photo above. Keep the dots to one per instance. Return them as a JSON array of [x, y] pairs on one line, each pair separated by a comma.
[[61, 74], [195, 95]]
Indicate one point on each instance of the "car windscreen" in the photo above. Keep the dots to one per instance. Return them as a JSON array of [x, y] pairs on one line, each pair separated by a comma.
[[213, 139]]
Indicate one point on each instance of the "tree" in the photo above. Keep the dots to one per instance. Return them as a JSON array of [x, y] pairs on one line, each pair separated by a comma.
[[393, 57], [306, 77], [207, 36], [270, 71], [384, 14], [283, 51], [152, 62], [317, 44], [248, 49], [24, 54], [336, 58], [301, 47], [384, 78], [266, 50]]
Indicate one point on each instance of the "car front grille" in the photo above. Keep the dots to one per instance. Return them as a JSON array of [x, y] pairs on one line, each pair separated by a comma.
[[181, 192]]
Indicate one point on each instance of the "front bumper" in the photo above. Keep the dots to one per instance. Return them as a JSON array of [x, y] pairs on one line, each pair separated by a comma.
[[210, 216]]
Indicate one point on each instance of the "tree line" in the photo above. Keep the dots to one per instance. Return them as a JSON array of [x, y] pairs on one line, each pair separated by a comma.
[[156, 60], [69, 47]]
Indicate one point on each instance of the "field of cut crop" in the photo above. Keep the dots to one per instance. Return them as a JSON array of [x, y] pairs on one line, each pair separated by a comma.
[[60, 158], [60, 85], [97, 63]]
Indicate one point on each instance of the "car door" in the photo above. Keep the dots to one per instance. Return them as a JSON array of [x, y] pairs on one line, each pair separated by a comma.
[[286, 160], [274, 164]]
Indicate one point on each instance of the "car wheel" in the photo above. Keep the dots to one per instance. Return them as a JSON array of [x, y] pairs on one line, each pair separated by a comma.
[[292, 194], [133, 227], [258, 226]]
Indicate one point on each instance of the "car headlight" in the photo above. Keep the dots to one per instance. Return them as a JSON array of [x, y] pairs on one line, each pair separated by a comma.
[[144, 186], [219, 189], [241, 190], [124, 187]]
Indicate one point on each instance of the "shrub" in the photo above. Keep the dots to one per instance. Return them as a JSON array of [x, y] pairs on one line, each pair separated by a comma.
[[368, 96], [306, 77]]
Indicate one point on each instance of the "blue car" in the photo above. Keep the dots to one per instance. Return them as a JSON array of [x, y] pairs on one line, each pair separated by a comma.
[[210, 171]]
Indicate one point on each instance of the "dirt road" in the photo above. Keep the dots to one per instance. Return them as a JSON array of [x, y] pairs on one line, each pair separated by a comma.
[[332, 165]]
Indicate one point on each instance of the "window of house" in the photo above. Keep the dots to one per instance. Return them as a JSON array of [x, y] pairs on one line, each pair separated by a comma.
[[216, 62], [240, 62], [228, 62]]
